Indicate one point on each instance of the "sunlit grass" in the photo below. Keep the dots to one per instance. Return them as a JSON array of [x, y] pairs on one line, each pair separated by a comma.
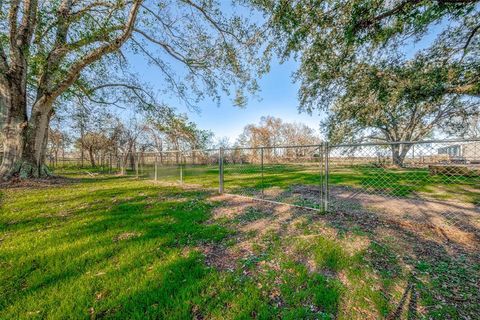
[[118, 247]]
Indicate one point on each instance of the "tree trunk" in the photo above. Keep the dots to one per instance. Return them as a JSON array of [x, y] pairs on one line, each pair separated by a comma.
[[14, 133], [13, 100], [399, 152], [82, 147], [36, 137], [92, 157], [25, 139]]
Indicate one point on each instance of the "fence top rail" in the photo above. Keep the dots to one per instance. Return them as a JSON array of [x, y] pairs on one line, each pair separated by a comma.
[[360, 144], [275, 147], [386, 143]]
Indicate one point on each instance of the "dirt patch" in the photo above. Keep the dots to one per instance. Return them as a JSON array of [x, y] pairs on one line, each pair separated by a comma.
[[253, 221], [452, 222], [271, 217], [53, 181], [126, 236], [234, 206], [412, 240], [222, 258]]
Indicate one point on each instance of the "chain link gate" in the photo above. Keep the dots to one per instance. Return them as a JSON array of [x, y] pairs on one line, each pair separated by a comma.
[[276, 174]]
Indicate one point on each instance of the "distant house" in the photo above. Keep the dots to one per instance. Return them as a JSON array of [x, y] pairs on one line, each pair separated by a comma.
[[468, 152]]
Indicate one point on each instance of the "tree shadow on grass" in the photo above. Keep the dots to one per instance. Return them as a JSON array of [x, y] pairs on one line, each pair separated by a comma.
[[123, 238], [140, 257], [441, 275]]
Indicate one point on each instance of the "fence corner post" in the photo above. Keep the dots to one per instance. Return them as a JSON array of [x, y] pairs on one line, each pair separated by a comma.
[[321, 172], [220, 171], [262, 186], [181, 173]]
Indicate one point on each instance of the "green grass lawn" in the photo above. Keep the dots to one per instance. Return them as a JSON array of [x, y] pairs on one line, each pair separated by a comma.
[[119, 247]]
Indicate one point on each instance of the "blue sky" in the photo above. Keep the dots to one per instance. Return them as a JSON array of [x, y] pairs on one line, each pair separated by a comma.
[[277, 97]]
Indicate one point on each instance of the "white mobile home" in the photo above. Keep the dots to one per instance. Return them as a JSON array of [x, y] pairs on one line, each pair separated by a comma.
[[468, 151]]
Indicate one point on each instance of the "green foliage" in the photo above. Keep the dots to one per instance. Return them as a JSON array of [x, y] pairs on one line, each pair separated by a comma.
[[402, 101], [355, 62]]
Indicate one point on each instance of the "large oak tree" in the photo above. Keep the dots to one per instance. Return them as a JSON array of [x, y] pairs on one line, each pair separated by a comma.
[[51, 50], [358, 62]]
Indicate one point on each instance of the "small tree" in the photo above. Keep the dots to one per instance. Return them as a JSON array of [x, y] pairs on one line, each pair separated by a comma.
[[274, 132], [95, 143], [127, 136], [57, 141]]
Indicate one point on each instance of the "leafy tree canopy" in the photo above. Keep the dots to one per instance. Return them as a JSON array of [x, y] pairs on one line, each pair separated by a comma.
[[355, 61]]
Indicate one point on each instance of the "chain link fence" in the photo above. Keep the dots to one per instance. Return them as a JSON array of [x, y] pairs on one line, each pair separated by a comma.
[[419, 200], [106, 163], [432, 182], [405, 178], [422, 181], [434, 170], [195, 168], [276, 174]]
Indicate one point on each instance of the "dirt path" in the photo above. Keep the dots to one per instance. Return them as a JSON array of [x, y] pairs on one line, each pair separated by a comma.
[[455, 222]]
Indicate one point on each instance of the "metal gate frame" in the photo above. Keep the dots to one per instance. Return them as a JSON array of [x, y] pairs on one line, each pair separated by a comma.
[[323, 150]]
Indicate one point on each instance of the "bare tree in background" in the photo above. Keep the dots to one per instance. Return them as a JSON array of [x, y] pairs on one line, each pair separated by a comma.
[[57, 141], [274, 132], [127, 138]]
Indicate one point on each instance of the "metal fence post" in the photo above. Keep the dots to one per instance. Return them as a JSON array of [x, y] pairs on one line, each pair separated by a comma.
[[181, 172], [327, 173], [261, 168], [320, 165], [136, 165], [220, 171]]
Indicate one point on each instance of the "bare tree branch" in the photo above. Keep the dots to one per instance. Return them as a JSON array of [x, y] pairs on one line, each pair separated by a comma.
[[212, 21], [469, 39], [176, 55], [74, 71], [171, 79]]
